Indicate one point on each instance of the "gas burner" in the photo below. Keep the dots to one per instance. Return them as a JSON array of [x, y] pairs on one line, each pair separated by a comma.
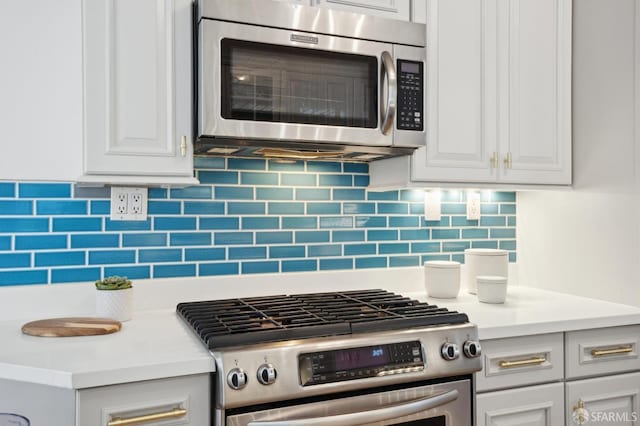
[[233, 322]]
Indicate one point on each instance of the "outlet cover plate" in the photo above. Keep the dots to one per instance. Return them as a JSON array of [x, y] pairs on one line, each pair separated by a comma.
[[128, 203], [473, 205]]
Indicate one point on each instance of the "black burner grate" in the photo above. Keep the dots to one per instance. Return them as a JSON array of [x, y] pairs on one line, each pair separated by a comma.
[[232, 322]]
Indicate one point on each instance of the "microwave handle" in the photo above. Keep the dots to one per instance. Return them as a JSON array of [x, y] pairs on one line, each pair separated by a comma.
[[388, 108], [372, 416]]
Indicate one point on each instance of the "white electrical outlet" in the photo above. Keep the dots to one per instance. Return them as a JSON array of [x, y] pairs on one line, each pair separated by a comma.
[[432, 210], [473, 206], [128, 203]]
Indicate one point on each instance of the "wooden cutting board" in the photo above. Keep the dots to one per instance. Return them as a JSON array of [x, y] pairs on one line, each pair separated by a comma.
[[66, 327]]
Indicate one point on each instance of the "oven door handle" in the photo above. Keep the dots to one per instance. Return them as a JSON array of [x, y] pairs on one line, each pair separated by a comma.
[[388, 108], [371, 416]]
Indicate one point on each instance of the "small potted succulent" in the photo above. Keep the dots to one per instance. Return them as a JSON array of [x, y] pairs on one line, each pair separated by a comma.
[[114, 298]]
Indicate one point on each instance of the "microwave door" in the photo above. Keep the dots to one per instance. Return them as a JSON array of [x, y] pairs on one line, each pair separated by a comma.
[[267, 83]]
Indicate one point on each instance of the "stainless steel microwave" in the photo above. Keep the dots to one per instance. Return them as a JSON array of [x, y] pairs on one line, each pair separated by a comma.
[[283, 80]]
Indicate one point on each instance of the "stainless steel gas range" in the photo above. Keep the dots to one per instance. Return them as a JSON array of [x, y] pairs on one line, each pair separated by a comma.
[[343, 359]]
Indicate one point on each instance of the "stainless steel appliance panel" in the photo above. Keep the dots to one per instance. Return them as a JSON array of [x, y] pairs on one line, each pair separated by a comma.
[[319, 20], [211, 120], [284, 357], [444, 404]]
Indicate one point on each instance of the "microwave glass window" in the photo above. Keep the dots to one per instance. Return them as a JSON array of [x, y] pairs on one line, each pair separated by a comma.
[[265, 82]]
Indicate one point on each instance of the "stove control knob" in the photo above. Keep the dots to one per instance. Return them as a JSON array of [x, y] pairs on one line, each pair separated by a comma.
[[267, 374], [450, 351], [237, 378], [471, 349]]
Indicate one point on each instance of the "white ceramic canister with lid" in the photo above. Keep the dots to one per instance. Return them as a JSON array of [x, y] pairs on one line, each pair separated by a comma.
[[483, 262], [491, 289], [442, 278]]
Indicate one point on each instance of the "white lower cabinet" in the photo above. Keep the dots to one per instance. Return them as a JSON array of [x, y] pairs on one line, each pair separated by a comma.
[[610, 400], [588, 377], [175, 401], [39, 404], [531, 406]]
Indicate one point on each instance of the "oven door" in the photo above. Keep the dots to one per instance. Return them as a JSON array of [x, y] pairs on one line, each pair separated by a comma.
[[443, 404], [267, 83]]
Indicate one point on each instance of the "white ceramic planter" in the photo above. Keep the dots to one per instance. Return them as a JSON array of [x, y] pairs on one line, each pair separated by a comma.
[[115, 304]]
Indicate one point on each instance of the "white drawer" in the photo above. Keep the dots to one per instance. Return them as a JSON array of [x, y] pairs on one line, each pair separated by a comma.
[[519, 361], [602, 351], [177, 401]]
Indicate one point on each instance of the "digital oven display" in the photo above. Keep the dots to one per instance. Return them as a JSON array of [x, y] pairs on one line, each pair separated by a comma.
[[358, 358], [360, 362]]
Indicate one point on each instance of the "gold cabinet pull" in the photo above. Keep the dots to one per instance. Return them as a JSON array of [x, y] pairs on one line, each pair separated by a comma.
[[494, 160], [579, 413], [138, 420], [614, 351], [508, 162], [523, 362], [183, 146]]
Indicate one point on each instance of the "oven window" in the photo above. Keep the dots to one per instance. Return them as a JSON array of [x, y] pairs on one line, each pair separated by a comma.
[[434, 421], [282, 84]]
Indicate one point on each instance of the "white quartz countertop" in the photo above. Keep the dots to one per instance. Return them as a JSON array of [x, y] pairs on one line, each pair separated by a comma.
[[529, 311], [153, 345], [156, 343]]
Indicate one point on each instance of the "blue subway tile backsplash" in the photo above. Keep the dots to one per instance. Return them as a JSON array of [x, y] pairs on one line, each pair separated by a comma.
[[15, 207], [7, 190], [247, 216], [44, 190]]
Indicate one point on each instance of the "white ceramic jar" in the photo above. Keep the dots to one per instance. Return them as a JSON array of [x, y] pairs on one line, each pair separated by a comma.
[[483, 262], [442, 278], [492, 289]]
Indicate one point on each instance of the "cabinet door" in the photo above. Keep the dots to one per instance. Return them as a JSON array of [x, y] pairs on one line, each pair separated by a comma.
[[175, 401], [531, 406], [137, 88], [534, 41], [419, 11], [394, 9], [611, 400], [461, 93]]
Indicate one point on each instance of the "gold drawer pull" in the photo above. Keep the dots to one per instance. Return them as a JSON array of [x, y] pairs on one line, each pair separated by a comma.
[[616, 351], [523, 363], [173, 414]]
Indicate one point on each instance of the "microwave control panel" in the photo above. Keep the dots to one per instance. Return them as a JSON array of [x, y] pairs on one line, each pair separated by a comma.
[[410, 95]]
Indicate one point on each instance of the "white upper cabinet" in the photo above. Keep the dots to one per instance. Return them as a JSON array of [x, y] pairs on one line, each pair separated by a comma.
[[137, 92], [498, 96], [461, 92], [534, 102], [394, 9], [419, 11], [40, 90]]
